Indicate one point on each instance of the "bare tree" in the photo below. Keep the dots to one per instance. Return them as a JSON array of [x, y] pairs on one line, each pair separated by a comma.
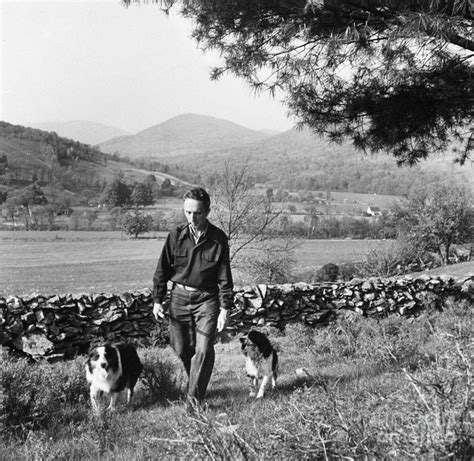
[[242, 213]]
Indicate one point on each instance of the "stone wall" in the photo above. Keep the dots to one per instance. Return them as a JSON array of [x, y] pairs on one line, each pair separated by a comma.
[[63, 325]]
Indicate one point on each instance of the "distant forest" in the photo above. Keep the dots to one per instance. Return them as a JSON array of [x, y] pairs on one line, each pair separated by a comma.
[[28, 154]]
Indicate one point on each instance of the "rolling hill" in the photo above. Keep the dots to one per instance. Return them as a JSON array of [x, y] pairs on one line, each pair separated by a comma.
[[28, 154], [184, 134], [83, 131], [298, 159]]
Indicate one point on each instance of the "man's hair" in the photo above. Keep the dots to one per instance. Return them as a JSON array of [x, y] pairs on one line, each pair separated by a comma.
[[198, 193]]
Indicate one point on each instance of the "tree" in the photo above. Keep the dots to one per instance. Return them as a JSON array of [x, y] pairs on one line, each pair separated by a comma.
[[311, 219], [272, 262], [142, 195], [167, 188], [10, 209], [243, 214], [116, 194], [32, 195], [393, 76], [136, 223], [436, 217]]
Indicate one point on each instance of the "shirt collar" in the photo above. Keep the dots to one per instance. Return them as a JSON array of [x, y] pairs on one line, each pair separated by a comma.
[[197, 235]]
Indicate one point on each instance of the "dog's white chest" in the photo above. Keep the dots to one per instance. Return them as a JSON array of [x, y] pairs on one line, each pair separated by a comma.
[[251, 368]]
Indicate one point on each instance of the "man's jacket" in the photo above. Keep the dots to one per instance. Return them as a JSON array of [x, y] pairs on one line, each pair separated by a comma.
[[204, 265]]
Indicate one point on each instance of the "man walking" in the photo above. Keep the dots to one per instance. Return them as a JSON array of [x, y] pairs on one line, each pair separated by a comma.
[[195, 259]]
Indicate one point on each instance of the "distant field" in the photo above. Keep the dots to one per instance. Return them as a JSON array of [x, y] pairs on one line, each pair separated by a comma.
[[95, 262], [73, 262]]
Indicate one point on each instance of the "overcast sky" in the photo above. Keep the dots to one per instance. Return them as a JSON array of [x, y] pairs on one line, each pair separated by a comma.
[[130, 68]]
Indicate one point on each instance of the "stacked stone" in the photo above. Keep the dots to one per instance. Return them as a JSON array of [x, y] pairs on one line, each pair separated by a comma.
[[62, 325]]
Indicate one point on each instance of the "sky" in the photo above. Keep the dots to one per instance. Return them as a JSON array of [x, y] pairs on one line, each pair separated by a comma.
[[131, 68]]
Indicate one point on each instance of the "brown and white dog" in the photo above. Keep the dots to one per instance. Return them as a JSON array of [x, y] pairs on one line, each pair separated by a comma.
[[110, 369], [261, 361]]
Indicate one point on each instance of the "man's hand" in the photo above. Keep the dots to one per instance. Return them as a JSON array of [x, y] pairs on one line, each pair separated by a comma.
[[221, 320], [158, 311]]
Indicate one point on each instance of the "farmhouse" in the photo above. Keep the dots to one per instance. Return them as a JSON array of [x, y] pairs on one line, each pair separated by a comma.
[[374, 211]]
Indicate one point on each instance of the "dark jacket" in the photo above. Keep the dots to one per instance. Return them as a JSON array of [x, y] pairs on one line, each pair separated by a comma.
[[204, 265]]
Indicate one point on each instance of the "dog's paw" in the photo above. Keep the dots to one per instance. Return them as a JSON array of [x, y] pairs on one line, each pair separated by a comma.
[[260, 396]]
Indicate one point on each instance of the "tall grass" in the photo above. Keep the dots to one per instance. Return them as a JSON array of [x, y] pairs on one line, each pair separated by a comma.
[[392, 388]]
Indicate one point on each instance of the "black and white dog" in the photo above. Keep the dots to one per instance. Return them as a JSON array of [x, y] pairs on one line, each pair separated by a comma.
[[111, 369], [261, 361]]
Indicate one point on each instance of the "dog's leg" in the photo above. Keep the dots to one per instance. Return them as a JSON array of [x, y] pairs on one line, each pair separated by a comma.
[[253, 386], [261, 391], [113, 400], [94, 394], [129, 395], [274, 379]]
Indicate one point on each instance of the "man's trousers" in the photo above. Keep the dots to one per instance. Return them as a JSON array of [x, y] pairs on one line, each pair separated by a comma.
[[193, 324]]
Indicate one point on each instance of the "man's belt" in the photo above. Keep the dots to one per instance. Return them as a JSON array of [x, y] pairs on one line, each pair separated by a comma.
[[185, 287]]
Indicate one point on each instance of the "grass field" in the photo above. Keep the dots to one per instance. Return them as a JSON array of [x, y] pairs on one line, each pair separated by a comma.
[[74, 262], [391, 389]]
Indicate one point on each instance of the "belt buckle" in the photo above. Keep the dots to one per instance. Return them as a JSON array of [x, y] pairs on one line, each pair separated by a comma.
[[186, 288]]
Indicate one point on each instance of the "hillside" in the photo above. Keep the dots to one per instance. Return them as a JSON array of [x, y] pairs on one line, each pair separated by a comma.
[[297, 159], [82, 130], [184, 134], [28, 154]]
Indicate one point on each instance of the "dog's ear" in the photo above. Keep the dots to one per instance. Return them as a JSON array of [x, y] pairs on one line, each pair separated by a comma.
[[244, 341]]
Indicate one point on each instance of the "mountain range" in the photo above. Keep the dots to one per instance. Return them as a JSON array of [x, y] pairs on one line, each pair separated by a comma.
[[195, 147], [184, 134]]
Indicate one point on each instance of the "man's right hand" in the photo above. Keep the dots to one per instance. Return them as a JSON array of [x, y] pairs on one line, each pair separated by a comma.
[[158, 311]]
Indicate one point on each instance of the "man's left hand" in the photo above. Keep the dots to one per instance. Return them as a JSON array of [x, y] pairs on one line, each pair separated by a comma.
[[222, 320]]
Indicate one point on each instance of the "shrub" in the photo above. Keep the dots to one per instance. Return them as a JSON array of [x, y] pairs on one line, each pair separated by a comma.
[[327, 273], [37, 394], [161, 377]]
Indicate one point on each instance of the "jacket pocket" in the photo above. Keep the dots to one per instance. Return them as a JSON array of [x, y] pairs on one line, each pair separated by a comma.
[[181, 258], [210, 258]]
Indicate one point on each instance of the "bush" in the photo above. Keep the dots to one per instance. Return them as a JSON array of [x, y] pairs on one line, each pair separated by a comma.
[[35, 395], [162, 377], [327, 273]]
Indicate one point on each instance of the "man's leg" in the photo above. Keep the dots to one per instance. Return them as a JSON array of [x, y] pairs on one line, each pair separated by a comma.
[[202, 363], [181, 329]]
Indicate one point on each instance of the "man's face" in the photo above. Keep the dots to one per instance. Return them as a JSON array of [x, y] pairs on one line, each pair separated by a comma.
[[196, 213]]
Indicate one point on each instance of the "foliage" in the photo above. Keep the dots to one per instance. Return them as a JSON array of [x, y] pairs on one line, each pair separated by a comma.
[[160, 379], [116, 194], [136, 223], [271, 262], [167, 188], [399, 257], [327, 273], [393, 76], [62, 149], [38, 395], [31, 195], [142, 194], [436, 217], [241, 213], [391, 388]]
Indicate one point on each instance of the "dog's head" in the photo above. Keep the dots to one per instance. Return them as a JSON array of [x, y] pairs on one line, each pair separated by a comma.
[[255, 344], [102, 360]]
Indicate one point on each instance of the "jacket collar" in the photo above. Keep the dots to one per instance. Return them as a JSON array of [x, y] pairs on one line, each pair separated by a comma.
[[185, 231]]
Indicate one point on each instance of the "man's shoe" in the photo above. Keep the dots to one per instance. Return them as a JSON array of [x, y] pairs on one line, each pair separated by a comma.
[[192, 404]]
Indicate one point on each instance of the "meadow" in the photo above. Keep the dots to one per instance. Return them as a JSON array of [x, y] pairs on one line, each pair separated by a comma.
[[387, 389], [74, 262]]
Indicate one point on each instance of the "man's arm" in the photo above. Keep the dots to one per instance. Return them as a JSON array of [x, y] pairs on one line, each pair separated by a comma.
[[164, 270], [226, 287]]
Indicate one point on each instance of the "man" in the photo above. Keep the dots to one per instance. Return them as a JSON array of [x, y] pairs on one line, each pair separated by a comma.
[[195, 259]]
